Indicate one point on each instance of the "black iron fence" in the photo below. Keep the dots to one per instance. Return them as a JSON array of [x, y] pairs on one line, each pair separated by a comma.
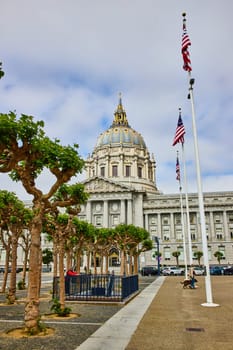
[[88, 287]]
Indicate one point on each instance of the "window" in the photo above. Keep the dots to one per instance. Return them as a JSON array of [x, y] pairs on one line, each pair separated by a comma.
[[102, 171], [167, 254], [166, 238], [219, 236], [217, 219], [98, 220], [193, 236], [139, 171], [153, 229], [127, 171], [114, 170], [115, 220], [153, 220]]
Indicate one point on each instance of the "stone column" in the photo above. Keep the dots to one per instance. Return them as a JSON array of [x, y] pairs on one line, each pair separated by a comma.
[[225, 227], [129, 212], [88, 212], [122, 212], [172, 231], [105, 214], [146, 222], [159, 226], [211, 231]]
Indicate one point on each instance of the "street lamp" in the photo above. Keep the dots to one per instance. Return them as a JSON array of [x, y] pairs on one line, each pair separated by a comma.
[[158, 253]]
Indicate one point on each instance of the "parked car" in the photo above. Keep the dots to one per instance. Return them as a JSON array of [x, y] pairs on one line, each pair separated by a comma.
[[199, 271], [2, 269], [18, 269], [216, 270], [149, 270], [228, 270], [173, 270], [46, 268]]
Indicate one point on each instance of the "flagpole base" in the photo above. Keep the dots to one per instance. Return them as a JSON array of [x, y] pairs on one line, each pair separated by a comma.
[[210, 305]]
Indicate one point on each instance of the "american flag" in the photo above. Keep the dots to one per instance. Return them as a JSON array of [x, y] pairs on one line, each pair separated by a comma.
[[177, 169], [185, 44], [180, 131]]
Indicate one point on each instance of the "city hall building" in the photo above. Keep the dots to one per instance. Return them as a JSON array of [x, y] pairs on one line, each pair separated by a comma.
[[121, 182]]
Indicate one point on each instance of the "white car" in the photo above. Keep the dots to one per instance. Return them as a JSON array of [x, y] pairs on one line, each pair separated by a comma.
[[173, 270], [199, 271]]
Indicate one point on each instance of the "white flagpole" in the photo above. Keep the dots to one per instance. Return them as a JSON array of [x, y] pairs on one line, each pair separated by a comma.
[[209, 298], [187, 209], [182, 225]]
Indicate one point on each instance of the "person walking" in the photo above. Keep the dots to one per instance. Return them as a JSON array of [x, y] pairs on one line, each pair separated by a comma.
[[192, 277]]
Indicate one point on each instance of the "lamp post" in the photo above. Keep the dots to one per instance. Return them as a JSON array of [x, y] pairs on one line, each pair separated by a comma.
[[158, 253]]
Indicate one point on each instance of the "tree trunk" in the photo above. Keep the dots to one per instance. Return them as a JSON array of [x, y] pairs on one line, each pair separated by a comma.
[[61, 275], [88, 261], [78, 261], [94, 261], [3, 290], [106, 263], [55, 262], [135, 267], [11, 296], [32, 313], [123, 263], [101, 264], [130, 264], [26, 253]]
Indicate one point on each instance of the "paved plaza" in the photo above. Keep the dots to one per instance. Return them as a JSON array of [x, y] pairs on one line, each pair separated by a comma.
[[163, 316]]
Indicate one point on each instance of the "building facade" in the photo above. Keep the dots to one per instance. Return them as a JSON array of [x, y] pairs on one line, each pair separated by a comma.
[[121, 182]]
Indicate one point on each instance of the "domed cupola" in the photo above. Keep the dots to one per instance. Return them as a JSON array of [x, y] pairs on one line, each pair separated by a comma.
[[121, 155], [120, 133]]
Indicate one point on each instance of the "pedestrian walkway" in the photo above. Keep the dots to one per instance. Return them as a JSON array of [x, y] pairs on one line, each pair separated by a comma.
[[165, 316]]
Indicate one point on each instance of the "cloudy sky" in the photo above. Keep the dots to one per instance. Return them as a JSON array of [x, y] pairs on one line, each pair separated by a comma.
[[66, 61]]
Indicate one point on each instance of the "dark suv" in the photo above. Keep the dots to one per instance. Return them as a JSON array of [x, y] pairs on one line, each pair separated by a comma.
[[149, 270], [228, 271]]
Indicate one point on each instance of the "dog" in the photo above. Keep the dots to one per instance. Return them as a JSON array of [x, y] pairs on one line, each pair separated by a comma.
[[187, 283]]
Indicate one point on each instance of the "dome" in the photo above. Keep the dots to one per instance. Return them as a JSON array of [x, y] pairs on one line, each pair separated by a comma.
[[120, 133]]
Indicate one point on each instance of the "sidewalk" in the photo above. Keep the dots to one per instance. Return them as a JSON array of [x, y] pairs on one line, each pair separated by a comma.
[[174, 319]]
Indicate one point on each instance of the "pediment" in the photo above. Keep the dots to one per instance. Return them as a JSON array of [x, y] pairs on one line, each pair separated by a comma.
[[98, 185]]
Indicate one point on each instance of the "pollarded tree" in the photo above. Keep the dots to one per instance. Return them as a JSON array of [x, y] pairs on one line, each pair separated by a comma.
[[176, 255], [198, 255], [25, 151], [14, 219], [101, 246], [219, 255], [142, 244], [105, 243], [59, 226], [18, 220], [78, 243], [127, 238]]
